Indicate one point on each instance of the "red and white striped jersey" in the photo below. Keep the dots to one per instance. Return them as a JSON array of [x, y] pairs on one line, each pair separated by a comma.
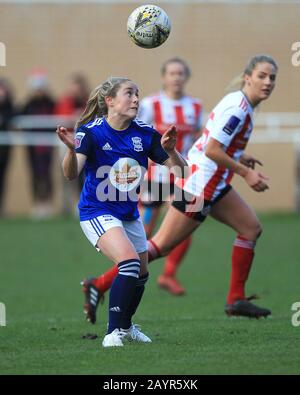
[[231, 123], [162, 112]]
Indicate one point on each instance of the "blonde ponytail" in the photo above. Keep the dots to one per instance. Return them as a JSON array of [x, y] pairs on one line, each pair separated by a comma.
[[96, 105], [91, 110], [236, 83]]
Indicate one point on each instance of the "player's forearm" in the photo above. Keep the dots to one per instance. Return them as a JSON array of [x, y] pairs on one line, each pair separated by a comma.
[[70, 165], [176, 163], [224, 160]]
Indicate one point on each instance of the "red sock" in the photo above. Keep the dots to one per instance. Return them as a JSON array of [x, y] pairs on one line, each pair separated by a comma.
[[175, 257], [104, 282], [153, 251], [242, 257]]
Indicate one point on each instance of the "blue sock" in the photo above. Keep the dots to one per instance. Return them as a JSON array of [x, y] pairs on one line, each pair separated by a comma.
[[122, 291], [134, 303]]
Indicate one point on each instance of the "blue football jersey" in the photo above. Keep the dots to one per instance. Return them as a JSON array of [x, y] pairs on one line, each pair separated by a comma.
[[115, 166]]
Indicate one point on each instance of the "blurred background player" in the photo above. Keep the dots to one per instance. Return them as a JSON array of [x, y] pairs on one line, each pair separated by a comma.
[[71, 104], [40, 102], [108, 136], [74, 100], [169, 107], [6, 114], [213, 160]]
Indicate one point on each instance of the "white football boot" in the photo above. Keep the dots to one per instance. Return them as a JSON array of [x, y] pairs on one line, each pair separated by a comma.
[[114, 339], [134, 334]]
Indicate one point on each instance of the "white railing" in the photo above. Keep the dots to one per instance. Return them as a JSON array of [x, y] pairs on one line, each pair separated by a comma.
[[35, 123], [269, 128]]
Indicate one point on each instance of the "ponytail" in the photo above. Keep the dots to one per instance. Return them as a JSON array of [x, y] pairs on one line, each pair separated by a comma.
[[91, 110], [96, 106], [236, 83]]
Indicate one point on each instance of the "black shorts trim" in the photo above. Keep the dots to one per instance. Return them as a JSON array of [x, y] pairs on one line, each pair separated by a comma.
[[187, 199]]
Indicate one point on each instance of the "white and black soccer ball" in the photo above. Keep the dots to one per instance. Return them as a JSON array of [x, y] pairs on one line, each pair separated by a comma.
[[148, 26]]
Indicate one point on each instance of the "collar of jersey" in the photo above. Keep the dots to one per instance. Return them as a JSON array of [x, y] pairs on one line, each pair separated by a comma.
[[246, 99], [176, 101], [115, 130]]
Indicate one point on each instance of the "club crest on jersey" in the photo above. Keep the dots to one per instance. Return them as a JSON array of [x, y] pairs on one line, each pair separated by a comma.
[[231, 125], [78, 138], [137, 144]]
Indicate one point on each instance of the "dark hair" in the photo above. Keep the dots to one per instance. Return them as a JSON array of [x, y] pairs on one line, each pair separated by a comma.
[[176, 60]]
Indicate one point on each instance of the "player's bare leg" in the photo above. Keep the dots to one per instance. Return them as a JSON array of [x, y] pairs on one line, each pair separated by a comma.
[[150, 217], [233, 211], [175, 228], [167, 280]]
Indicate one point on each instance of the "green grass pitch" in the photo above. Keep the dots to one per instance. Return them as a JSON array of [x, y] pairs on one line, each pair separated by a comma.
[[42, 263]]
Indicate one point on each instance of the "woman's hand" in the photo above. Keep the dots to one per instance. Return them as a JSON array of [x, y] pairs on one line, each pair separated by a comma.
[[256, 180], [168, 140], [66, 136], [249, 161], [176, 163]]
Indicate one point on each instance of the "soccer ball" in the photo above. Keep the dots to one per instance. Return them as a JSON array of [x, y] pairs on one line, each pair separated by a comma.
[[148, 26]]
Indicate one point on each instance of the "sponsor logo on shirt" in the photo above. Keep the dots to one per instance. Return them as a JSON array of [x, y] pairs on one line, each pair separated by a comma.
[[231, 125], [125, 174]]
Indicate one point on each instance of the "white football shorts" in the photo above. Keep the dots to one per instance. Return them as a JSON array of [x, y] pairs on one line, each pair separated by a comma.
[[96, 227]]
